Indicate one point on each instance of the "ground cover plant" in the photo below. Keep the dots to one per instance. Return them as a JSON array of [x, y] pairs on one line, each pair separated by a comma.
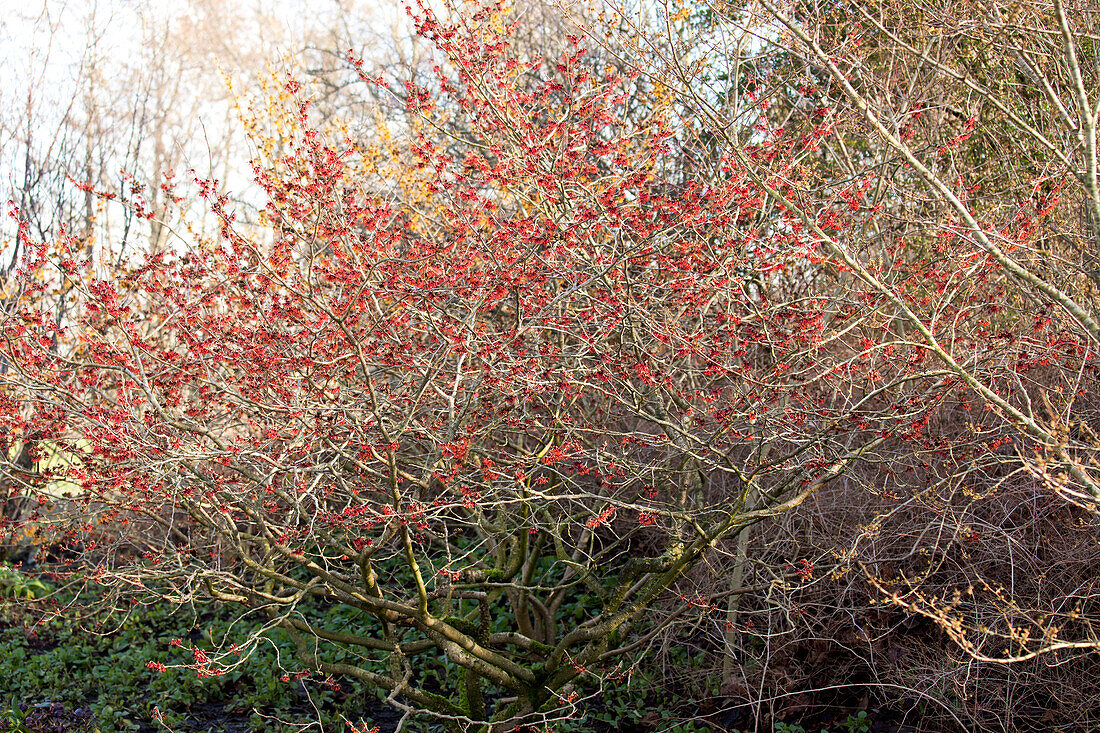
[[497, 391], [105, 670]]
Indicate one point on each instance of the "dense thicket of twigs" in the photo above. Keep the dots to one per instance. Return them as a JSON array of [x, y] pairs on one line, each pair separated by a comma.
[[768, 328]]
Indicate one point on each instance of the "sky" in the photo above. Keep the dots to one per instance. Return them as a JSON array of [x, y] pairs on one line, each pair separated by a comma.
[[160, 62]]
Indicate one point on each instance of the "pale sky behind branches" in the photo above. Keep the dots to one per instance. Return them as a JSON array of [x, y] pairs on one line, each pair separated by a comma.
[[101, 68]]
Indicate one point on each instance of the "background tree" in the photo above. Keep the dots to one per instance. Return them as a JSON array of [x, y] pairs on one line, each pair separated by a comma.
[[964, 132]]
